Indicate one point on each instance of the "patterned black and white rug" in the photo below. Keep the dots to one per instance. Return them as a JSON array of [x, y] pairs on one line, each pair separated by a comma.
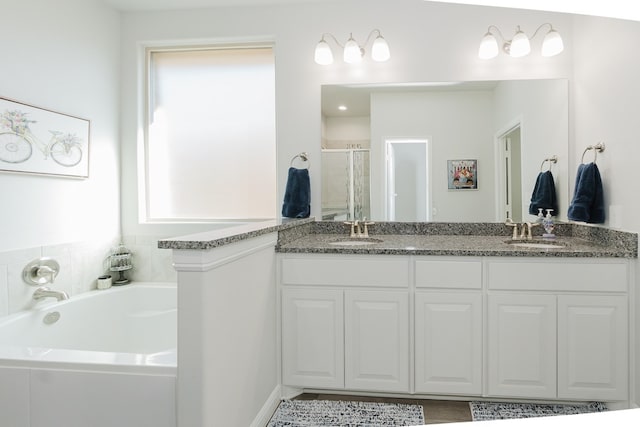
[[484, 411], [303, 413]]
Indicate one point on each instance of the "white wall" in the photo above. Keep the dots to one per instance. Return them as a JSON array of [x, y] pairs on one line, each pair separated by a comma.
[[343, 132], [62, 56], [458, 126], [541, 106], [605, 106]]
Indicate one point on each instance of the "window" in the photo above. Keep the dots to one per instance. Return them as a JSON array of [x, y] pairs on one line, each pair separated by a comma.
[[210, 150]]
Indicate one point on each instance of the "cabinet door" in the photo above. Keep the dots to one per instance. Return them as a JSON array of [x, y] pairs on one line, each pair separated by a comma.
[[312, 338], [448, 343], [377, 340], [522, 345], [592, 347]]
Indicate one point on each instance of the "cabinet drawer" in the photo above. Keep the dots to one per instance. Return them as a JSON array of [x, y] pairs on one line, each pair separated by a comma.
[[346, 271], [558, 275], [449, 274]]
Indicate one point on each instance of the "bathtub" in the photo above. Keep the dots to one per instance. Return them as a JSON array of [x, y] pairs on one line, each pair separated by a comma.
[[111, 353]]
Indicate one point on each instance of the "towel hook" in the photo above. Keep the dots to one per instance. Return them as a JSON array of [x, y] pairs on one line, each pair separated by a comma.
[[552, 159], [302, 156], [598, 148]]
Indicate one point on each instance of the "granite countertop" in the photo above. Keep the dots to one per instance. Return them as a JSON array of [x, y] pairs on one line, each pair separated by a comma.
[[459, 239], [397, 238], [232, 234], [450, 245]]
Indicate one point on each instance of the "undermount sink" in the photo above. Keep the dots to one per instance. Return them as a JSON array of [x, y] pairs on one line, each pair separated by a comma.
[[354, 241], [535, 245]]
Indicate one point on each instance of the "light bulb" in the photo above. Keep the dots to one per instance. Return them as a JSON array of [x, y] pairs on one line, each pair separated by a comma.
[[380, 50], [552, 43], [323, 54], [352, 53], [488, 47], [520, 45]]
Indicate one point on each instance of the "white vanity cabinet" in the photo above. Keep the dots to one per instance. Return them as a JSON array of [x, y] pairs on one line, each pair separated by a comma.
[[558, 328], [313, 337], [592, 347], [522, 345], [377, 340], [547, 328], [345, 322], [448, 326]]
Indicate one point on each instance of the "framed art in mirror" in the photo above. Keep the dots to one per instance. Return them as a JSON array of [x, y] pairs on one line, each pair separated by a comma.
[[462, 174], [39, 141]]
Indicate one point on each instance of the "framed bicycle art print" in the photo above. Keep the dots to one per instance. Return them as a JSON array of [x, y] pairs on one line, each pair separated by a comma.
[[39, 141]]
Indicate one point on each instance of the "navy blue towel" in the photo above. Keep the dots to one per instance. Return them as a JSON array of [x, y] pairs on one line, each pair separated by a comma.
[[544, 194], [297, 195], [588, 199]]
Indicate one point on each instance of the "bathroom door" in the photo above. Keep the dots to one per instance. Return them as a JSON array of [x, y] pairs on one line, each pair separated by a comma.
[[509, 182], [407, 180]]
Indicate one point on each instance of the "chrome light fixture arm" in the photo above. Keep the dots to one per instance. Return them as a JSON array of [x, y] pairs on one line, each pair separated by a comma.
[[335, 40], [535, 33]]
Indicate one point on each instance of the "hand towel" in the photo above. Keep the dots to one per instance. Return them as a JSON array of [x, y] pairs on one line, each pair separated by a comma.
[[544, 194], [588, 198], [297, 195]]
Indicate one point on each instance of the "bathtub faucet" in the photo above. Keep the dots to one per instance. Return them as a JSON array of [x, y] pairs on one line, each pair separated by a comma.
[[41, 271], [45, 292]]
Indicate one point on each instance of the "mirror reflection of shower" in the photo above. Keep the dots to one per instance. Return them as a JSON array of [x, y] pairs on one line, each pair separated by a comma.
[[345, 183]]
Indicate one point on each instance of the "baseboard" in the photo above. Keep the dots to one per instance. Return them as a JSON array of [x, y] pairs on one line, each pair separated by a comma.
[[288, 392], [269, 407]]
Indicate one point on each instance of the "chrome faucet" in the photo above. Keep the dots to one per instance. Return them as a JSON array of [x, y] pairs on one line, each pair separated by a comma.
[[359, 228], [355, 228], [45, 292], [526, 230], [366, 224], [509, 222], [41, 271]]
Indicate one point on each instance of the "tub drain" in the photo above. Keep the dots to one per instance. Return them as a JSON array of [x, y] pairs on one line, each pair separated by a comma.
[[51, 318]]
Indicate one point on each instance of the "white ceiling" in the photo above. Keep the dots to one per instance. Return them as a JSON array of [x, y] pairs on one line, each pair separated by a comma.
[[624, 9], [131, 5]]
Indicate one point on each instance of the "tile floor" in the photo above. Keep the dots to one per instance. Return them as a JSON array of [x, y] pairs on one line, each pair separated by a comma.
[[435, 411]]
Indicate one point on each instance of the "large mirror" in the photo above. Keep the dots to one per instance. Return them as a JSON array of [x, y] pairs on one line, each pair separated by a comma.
[[446, 151]]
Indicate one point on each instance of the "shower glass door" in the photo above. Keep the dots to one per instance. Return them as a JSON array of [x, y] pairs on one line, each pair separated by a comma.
[[345, 184]]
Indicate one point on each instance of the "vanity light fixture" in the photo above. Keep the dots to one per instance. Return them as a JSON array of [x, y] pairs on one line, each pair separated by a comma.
[[519, 45], [352, 52]]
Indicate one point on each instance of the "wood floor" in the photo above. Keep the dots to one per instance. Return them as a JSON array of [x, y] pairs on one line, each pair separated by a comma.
[[435, 411]]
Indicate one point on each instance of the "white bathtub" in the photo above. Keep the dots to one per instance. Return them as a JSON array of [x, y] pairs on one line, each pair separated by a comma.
[[132, 325], [110, 352]]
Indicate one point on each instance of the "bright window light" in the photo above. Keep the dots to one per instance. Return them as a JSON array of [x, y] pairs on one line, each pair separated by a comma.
[[210, 142]]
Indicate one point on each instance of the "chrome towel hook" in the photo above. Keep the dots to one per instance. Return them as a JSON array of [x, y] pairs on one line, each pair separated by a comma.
[[552, 159], [598, 148], [302, 156]]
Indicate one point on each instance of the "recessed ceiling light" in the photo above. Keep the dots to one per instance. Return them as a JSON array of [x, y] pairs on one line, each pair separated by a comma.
[[342, 107]]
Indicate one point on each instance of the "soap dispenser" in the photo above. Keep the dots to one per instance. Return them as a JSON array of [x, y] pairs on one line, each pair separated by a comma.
[[547, 223]]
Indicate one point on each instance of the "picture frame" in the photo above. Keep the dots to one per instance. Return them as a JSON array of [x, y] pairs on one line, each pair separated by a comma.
[[462, 174], [36, 140]]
